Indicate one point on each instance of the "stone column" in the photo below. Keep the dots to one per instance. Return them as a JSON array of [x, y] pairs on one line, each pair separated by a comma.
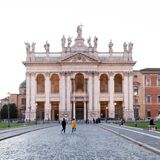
[[62, 95], [131, 112], [125, 95], [96, 95], [28, 96], [69, 95], [85, 110], [33, 96], [74, 110], [90, 92], [47, 97], [74, 86], [111, 96]]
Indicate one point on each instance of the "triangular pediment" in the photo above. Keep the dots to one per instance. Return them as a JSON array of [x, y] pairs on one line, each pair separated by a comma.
[[80, 58]]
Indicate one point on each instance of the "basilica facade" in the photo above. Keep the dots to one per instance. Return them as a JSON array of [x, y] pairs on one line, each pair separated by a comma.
[[79, 82]]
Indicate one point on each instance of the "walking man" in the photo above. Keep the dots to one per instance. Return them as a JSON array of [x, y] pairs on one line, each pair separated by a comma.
[[63, 125]]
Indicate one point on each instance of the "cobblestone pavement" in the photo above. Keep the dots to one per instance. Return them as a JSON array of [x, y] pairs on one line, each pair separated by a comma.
[[89, 142]]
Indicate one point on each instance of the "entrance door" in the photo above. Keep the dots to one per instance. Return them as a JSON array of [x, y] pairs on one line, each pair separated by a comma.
[[79, 111], [118, 110]]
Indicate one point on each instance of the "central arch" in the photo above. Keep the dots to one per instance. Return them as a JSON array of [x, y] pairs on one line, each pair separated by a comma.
[[79, 110]]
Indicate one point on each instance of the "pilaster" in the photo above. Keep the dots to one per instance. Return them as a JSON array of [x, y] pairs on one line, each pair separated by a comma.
[[68, 92], [47, 97], [62, 92], [28, 95], [96, 91], [131, 112], [111, 98], [126, 97], [33, 96], [90, 91]]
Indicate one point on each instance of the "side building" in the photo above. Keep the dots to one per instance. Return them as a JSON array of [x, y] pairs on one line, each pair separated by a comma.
[[79, 81], [151, 82], [19, 99], [138, 95]]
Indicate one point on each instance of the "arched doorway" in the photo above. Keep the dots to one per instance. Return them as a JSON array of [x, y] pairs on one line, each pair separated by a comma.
[[79, 110], [54, 111], [118, 110], [104, 110], [40, 111]]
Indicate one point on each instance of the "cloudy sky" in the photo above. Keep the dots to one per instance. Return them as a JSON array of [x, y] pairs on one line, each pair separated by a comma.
[[137, 21]]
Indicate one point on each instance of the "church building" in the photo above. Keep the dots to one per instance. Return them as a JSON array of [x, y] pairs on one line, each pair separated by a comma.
[[79, 82]]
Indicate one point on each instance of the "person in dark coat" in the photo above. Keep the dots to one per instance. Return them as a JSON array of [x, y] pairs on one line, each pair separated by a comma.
[[151, 122], [63, 125]]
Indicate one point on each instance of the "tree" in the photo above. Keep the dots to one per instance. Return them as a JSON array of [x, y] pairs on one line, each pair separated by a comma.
[[12, 110]]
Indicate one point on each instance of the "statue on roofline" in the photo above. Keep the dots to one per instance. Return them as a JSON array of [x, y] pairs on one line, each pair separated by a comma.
[[89, 41], [95, 42], [110, 45], [27, 47], [125, 47], [130, 47], [79, 30], [46, 46], [63, 41], [69, 41], [33, 46]]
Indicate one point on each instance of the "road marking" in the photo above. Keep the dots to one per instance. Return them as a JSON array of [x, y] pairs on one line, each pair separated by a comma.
[[146, 134]]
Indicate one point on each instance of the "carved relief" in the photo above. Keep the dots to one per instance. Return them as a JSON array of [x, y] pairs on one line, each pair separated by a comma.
[[80, 58]]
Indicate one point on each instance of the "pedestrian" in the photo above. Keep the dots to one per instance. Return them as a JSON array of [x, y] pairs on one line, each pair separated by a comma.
[[73, 125], [122, 121], [63, 125]]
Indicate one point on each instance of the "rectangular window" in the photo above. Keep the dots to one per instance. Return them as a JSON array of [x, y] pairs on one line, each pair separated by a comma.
[[148, 99], [158, 99], [158, 80], [23, 101], [148, 114], [158, 113], [148, 80]]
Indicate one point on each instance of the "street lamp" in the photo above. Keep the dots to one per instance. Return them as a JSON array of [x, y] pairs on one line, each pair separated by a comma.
[[106, 113], [135, 105], [8, 108], [36, 113]]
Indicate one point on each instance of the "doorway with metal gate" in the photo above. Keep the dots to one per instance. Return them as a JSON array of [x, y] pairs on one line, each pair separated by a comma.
[[80, 110]]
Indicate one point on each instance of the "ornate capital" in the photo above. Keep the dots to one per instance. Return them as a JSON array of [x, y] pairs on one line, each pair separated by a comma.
[[111, 74], [96, 73], [62, 73], [47, 74], [125, 73], [28, 73], [130, 73], [33, 73]]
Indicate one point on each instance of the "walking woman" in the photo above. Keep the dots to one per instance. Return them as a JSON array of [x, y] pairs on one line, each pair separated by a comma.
[[73, 125]]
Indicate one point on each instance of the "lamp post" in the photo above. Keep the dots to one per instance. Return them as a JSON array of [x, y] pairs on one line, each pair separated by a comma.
[[135, 108], [36, 113], [106, 113], [135, 105], [8, 108]]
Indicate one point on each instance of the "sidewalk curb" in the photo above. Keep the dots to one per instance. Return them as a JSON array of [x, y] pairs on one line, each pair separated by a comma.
[[155, 150], [18, 134]]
